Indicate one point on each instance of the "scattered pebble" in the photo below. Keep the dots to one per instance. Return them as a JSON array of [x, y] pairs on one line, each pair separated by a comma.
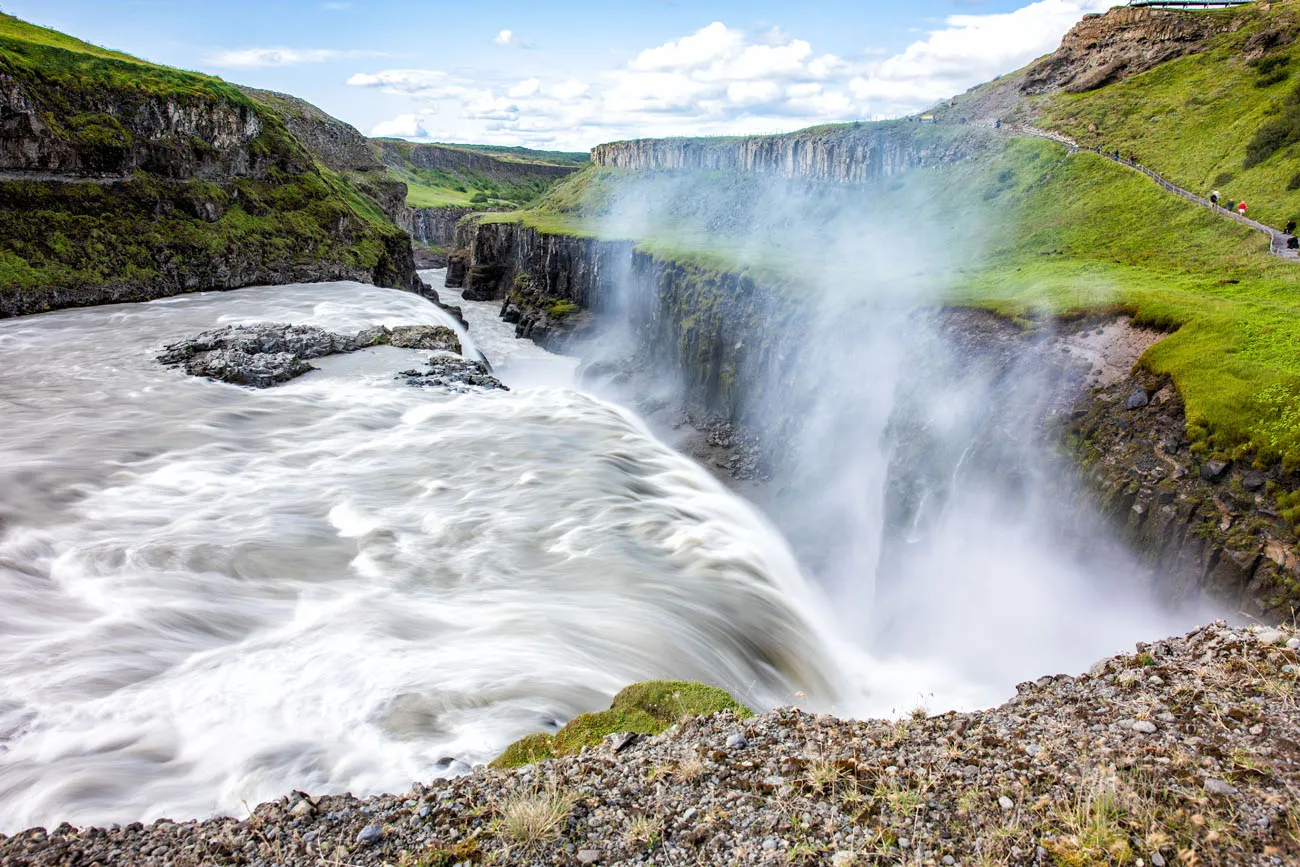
[[924, 784]]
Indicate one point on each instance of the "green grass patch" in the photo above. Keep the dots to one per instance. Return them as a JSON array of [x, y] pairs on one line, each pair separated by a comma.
[[1205, 121], [515, 183], [1038, 235], [646, 708]]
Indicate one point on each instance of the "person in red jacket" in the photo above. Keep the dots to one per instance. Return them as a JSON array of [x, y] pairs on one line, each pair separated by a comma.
[[1241, 208]]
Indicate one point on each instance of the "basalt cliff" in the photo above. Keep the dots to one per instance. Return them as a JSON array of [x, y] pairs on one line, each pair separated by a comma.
[[1206, 516], [126, 181], [856, 154]]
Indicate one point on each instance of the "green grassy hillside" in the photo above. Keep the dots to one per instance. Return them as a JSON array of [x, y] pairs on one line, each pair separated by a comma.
[[265, 210], [475, 176], [1226, 119]]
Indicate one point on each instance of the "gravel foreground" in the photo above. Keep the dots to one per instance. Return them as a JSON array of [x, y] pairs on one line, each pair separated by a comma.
[[1185, 752]]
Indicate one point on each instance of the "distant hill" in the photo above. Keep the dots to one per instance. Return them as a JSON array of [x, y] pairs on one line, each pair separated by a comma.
[[481, 176], [577, 159], [125, 180]]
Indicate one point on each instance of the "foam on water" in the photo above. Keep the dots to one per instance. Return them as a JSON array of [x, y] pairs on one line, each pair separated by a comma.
[[211, 595]]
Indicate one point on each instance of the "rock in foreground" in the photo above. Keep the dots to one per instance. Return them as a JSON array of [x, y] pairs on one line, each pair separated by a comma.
[[454, 374], [1187, 752], [267, 353]]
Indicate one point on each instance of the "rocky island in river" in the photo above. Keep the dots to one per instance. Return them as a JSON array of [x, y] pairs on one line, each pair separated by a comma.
[[919, 491]]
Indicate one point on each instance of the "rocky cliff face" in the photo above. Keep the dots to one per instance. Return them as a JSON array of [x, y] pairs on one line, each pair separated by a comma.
[[1123, 42], [123, 180], [844, 154], [1200, 525], [454, 160], [338, 145], [436, 226], [102, 134]]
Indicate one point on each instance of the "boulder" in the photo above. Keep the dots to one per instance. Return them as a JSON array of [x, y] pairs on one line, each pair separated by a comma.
[[435, 337], [1137, 399], [263, 354], [1212, 470], [454, 374]]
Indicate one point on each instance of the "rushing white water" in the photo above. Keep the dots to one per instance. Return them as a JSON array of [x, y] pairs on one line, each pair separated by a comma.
[[210, 595]]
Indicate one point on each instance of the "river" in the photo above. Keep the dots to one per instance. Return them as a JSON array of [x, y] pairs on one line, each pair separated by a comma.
[[211, 595]]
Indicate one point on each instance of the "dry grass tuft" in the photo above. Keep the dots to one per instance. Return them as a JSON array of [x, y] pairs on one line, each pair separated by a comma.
[[533, 817]]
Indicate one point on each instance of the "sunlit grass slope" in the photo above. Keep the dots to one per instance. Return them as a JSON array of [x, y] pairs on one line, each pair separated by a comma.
[[1226, 119], [142, 232], [512, 186], [1058, 235]]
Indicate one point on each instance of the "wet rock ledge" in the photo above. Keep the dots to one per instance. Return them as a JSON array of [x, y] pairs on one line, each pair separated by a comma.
[[1184, 752], [264, 354]]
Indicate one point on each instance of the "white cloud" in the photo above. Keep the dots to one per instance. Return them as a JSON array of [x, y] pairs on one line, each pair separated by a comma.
[[511, 39], [246, 58], [969, 50], [527, 87], [568, 90], [426, 84], [405, 126], [713, 43], [721, 80]]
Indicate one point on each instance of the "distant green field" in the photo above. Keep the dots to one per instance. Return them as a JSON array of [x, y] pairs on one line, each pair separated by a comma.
[[132, 233], [512, 184], [1194, 119], [526, 155]]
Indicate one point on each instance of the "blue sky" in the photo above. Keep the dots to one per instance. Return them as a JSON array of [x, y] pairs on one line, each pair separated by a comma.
[[569, 75]]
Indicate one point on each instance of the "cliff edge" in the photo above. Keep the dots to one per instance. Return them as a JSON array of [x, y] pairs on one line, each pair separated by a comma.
[[124, 180]]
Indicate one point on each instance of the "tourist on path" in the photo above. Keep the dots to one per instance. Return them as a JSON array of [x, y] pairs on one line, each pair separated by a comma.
[[1290, 227], [1241, 208], [1214, 198]]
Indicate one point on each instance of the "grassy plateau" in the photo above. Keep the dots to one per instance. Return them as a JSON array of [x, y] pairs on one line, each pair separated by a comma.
[[1048, 235]]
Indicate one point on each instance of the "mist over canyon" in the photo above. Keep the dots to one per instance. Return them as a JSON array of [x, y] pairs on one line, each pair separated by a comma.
[[911, 491]]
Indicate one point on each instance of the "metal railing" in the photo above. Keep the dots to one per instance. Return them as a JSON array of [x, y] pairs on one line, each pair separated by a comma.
[[1277, 238], [1187, 4]]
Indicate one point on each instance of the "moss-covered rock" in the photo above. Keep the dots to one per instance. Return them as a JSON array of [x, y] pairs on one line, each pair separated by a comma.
[[644, 708], [125, 180]]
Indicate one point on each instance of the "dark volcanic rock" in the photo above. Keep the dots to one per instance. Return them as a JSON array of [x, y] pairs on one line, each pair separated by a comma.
[[256, 369], [1212, 470], [268, 353], [257, 355], [437, 337], [454, 374], [305, 341], [1137, 400]]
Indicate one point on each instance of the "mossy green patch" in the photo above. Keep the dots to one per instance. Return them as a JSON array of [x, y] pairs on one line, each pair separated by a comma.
[[1208, 120], [645, 708], [162, 226], [1042, 235]]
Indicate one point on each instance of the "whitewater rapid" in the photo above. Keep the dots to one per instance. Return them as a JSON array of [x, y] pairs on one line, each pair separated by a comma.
[[211, 595]]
